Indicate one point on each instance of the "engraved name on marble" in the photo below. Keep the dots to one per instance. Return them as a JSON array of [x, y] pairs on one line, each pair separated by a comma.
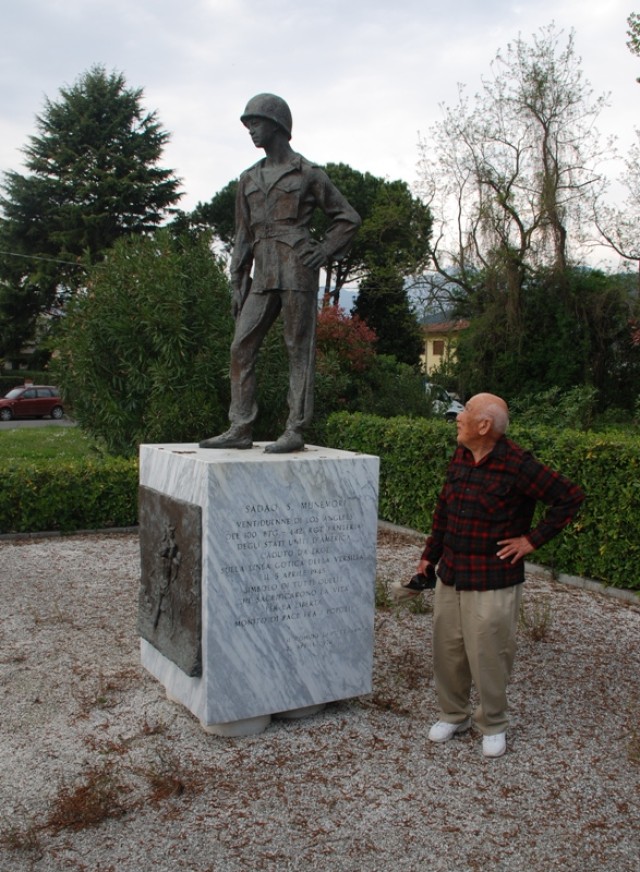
[[288, 568]]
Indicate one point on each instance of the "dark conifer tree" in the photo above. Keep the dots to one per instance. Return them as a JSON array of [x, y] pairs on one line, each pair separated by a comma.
[[93, 176]]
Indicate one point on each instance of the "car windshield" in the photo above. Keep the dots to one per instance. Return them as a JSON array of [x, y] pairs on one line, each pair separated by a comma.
[[13, 394], [439, 394]]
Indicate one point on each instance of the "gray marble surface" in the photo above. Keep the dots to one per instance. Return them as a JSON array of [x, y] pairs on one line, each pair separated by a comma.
[[289, 552]]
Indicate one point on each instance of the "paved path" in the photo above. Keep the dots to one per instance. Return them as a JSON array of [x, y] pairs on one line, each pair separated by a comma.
[[36, 422]]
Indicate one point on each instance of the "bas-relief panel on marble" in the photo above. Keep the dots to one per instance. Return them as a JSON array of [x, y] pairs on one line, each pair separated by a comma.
[[170, 599]]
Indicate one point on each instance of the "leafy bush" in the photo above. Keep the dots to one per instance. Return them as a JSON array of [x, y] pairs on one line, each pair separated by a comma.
[[71, 495], [602, 543], [574, 408], [345, 337], [144, 351], [387, 388]]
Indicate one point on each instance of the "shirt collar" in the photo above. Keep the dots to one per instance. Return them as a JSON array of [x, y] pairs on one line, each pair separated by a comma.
[[293, 165], [498, 451]]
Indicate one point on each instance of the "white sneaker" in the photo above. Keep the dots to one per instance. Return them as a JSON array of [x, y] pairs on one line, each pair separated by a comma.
[[442, 731], [494, 746]]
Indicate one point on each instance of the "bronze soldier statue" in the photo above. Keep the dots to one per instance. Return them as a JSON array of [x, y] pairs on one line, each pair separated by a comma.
[[275, 202]]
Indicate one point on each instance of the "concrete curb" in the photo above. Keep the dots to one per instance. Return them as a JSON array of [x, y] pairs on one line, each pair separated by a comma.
[[628, 596], [62, 534]]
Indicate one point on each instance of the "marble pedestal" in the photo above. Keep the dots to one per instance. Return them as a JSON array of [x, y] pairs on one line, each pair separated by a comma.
[[258, 579]]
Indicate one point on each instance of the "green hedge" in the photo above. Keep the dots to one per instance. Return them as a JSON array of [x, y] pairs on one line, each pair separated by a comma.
[[414, 453], [15, 378], [79, 495], [603, 542]]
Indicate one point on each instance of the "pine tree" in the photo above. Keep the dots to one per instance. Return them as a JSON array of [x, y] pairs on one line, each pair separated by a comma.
[[384, 305], [93, 176]]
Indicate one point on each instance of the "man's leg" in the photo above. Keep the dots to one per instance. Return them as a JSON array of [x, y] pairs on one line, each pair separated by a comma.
[[450, 665], [490, 623], [252, 325]]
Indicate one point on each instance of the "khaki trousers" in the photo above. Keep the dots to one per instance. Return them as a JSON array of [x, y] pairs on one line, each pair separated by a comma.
[[474, 640]]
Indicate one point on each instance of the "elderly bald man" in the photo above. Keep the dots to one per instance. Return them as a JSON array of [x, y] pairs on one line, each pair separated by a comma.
[[480, 535]]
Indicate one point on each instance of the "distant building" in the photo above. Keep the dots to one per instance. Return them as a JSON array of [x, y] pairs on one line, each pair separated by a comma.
[[440, 340]]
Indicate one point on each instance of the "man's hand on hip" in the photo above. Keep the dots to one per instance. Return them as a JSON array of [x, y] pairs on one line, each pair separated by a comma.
[[515, 548]]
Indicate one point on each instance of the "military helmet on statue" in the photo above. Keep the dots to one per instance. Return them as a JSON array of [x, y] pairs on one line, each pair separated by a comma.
[[269, 106]]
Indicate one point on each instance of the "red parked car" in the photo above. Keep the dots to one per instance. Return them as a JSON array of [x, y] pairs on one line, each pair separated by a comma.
[[31, 401]]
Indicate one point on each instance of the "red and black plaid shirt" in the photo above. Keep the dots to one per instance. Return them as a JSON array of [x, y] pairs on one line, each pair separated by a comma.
[[481, 504]]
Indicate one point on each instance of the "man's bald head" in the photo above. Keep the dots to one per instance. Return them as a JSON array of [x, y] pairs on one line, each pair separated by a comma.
[[492, 408], [483, 421]]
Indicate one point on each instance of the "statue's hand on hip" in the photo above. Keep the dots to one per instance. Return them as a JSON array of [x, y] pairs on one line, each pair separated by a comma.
[[312, 254]]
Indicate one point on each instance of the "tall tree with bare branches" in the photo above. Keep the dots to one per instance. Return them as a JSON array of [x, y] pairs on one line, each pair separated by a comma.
[[509, 172]]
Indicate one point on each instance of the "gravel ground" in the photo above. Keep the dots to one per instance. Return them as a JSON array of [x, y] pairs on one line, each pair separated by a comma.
[[99, 772]]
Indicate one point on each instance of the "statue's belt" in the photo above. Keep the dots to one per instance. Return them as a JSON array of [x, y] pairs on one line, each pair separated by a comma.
[[289, 235]]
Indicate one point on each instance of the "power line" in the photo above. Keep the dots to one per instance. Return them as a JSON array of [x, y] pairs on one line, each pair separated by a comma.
[[40, 257]]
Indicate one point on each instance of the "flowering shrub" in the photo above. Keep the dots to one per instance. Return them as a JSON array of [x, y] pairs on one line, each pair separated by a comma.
[[345, 338]]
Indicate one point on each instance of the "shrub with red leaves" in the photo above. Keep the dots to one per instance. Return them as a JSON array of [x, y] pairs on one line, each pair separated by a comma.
[[345, 337]]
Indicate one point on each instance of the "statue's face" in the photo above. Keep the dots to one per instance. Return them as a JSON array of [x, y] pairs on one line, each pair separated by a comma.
[[261, 130]]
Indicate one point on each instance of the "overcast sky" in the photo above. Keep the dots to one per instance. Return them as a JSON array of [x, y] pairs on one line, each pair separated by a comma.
[[362, 77]]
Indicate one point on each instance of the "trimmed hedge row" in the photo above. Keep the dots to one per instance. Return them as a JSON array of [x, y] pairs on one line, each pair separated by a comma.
[[80, 495], [603, 542]]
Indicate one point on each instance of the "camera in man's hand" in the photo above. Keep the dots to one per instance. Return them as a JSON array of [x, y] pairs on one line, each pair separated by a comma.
[[423, 582]]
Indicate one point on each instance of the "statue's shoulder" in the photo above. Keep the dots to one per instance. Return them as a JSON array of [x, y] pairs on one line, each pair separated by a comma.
[[306, 163], [297, 163], [246, 174]]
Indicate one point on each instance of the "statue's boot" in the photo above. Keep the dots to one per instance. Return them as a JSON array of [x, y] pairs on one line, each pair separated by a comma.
[[235, 437], [291, 440]]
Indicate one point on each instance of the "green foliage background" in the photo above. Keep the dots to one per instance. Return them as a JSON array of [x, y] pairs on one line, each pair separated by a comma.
[[143, 352], [69, 495]]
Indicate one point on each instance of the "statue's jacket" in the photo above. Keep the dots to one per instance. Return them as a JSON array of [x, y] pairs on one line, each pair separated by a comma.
[[273, 220]]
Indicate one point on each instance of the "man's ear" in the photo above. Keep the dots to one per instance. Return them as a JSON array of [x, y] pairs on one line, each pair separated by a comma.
[[484, 426]]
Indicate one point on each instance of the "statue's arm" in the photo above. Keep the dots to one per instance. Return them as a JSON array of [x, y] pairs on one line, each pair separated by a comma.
[[345, 221], [343, 226], [242, 256]]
